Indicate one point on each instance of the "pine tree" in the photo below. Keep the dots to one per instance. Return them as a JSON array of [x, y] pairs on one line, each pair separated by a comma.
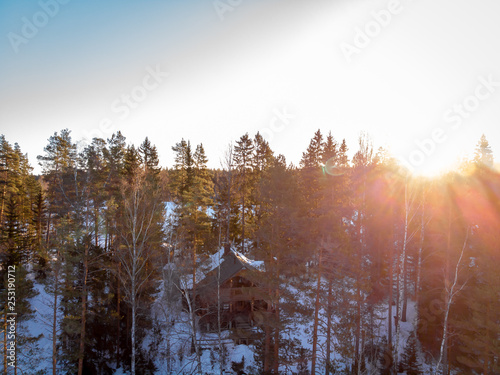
[[182, 173], [149, 156], [68, 195], [243, 151], [483, 155], [39, 221], [18, 190], [343, 160], [409, 361], [312, 158], [193, 188], [329, 152], [263, 158], [226, 209], [263, 155], [114, 155], [279, 246], [5, 155], [385, 360], [477, 326], [363, 164], [333, 207], [311, 174], [131, 163], [202, 191], [94, 163], [17, 245]]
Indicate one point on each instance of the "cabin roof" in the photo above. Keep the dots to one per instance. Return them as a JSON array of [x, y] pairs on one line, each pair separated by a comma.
[[232, 263]]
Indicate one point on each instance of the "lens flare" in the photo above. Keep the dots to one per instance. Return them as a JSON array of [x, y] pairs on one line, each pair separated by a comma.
[[332, 169]]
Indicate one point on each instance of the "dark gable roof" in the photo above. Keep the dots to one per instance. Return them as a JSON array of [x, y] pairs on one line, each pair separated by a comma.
[[232, 264]]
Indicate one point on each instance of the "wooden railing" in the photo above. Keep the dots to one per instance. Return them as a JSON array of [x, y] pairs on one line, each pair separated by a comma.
[[242, 294]]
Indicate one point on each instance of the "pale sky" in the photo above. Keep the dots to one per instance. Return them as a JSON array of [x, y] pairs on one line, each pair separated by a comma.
[[232, 72]]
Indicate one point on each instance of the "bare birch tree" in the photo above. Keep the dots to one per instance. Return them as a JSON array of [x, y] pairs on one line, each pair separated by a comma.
[[141, 202], [410, 211], [451, 293]]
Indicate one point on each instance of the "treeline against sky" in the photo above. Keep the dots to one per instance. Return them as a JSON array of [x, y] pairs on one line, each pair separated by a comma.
[[353, 249]]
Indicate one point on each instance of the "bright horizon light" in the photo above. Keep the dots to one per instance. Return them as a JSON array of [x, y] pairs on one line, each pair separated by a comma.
[[277, 67], [434, 169]]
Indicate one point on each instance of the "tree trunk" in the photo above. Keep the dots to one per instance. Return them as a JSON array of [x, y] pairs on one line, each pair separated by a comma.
[[194, 337], [487, 347], [405, 290], [193, 315], [228, 211], [267, 344], [444, 354], [419, 261], [47, 235], [132, 366], [276, 361], [106, 235], [397, 317], [127, 328], [219, 323], [391, 291], [243, 216], [169, 359], [357, 353], [328, 327], [118, 298], [54, 323], [96, 226], [450, 294], [84, 312], [1, 221], [316, 316], [389, 310]]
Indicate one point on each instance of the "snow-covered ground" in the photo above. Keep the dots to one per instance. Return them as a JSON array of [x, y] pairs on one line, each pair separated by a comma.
[[175, 334], [41, 325]]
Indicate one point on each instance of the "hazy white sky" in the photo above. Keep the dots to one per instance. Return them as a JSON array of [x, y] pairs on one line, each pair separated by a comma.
[[429, 69]]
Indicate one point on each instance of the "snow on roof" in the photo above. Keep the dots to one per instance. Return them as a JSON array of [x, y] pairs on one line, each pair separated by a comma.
[[209, 265], [216, 260], [258, 264]]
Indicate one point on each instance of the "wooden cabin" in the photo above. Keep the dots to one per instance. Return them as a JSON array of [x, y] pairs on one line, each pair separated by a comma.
[[235, 287]]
